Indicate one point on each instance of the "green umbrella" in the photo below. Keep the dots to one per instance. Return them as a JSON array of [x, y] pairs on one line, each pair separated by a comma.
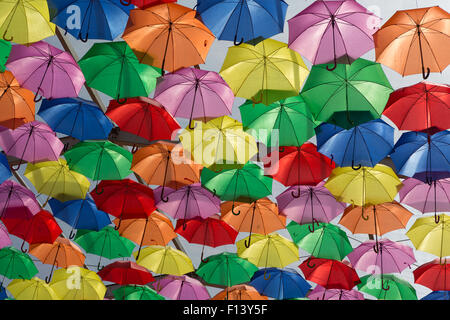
[[290, 118], [136, 293], [105, 243], [325, 241], [15, 264], [112, 68], [5, 50], [245, 184], [359, 87], [387, 287]]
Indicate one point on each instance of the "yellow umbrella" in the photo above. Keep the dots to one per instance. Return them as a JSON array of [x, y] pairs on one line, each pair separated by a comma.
[[164, 260], [77, 283], [265, 73], [219, 141], [33, 289], [429, 236], [55, 179], [25, 21]]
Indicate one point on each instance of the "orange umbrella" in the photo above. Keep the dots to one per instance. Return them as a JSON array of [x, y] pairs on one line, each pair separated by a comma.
[[260, 216], [415, 41], [168, 36], [165, 164], [62, 253], [16, 103], [239, 292]]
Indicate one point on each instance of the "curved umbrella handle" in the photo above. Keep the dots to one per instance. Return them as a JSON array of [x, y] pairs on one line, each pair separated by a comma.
[[22, 248], [125, 3], [362, 215], [97, 191], [294, 195], [134, 149], [16, 167], [6, 39], [235, 40], [308, 263], [48, 279], [425, 75], [334, 67], [282, 149], [83, 39], [215, 192], [37, 98], [383, 287], [233, 212], [265, 275], [376, 248], [355, 168], [436, 218], [332, 158], [314, 222], [247, 243], [204, 260], [122, 101], [72, 234], [184, 225]]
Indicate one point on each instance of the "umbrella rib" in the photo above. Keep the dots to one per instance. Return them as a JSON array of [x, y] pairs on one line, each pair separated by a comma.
[[432, 52]]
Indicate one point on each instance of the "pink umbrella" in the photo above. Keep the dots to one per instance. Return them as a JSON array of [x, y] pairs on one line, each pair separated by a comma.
[[17, 201], [383, 257], [181, 288], [333, 30], [188, 202], [193, 93], [33, 142], [321, 293], [45, 69], [315, 203], [5, 240]]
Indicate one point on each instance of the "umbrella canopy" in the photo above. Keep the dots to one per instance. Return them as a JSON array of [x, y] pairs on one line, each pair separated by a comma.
[[287, 122], [5, 240], [315, 203], [104, 19], [32, 289], [112, 68], [241, 21], [320, 293], [143, 117], [419, 107], [388, 288], [76, 117], [86, 286], [168, 36], [182, 288], [265, 72], [5, 50], [412, 41], [17, 201], [5, 170], [333, 30], [25, 22], [15, 264], [359, 87], [437, 295], [16, 102], [164, 260], [46, 70], [434, 275], [239, 292], [125, 273], [136, 293], [283, 283], [142, 4]]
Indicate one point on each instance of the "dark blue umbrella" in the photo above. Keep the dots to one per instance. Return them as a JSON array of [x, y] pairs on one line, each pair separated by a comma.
[[5, 171], [90, 19], [363, 145], [243, 20], [419, 154], [80, 214], [77, 118], [280, 283], [3, 294], [437, 295]]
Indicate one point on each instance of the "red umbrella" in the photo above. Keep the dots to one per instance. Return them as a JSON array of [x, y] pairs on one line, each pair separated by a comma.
[[299, 166], [126, 272], [433, 275], [142, 4], [125, 199], [420, 107], [211, 232], [330, 274], [41, 228]]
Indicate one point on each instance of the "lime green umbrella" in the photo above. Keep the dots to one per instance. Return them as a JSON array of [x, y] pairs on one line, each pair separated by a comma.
[[136, 292], [15, 264], [287, 122], [105, 243], [323, 240], [5, 50], [387, 287], [353, 89], [112, 68]]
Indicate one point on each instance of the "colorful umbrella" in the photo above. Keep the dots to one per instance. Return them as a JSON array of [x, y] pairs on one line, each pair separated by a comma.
[[394, 289], [182, 288], [17, 201], [320, 293], [168, 36], [142, 4], [164, 260], [437, 295], [136, 293], [32, 289], [239, 292], [15, 264], [125, 273], [5, 240], [77, 284], [5, 50], [434, 275], [5, 170]]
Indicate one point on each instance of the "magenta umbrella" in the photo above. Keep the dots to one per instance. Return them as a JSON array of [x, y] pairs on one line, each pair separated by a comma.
[[321, 293], [194, 94], [46, 70], [315, 203], [188, 202], [339, 31], [181, 288], [17, 201], [5, 240], [33, 142]]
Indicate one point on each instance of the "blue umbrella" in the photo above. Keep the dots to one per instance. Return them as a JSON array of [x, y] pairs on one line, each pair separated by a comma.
[[416, 153], [280, 283], [80, 214], [77, 118], [355, 147], [88, 19], [3, 294], [5, 171], [437, 295], [243, 20]]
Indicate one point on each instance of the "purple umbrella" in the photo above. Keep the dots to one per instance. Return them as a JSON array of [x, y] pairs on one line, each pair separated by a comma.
[[193, 94], [383, 257], [321, 293], [45, 69], [17, 201], [188, 202], [33, 142], [315, 203], [181, 288], [333, 30], [5, 240]]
